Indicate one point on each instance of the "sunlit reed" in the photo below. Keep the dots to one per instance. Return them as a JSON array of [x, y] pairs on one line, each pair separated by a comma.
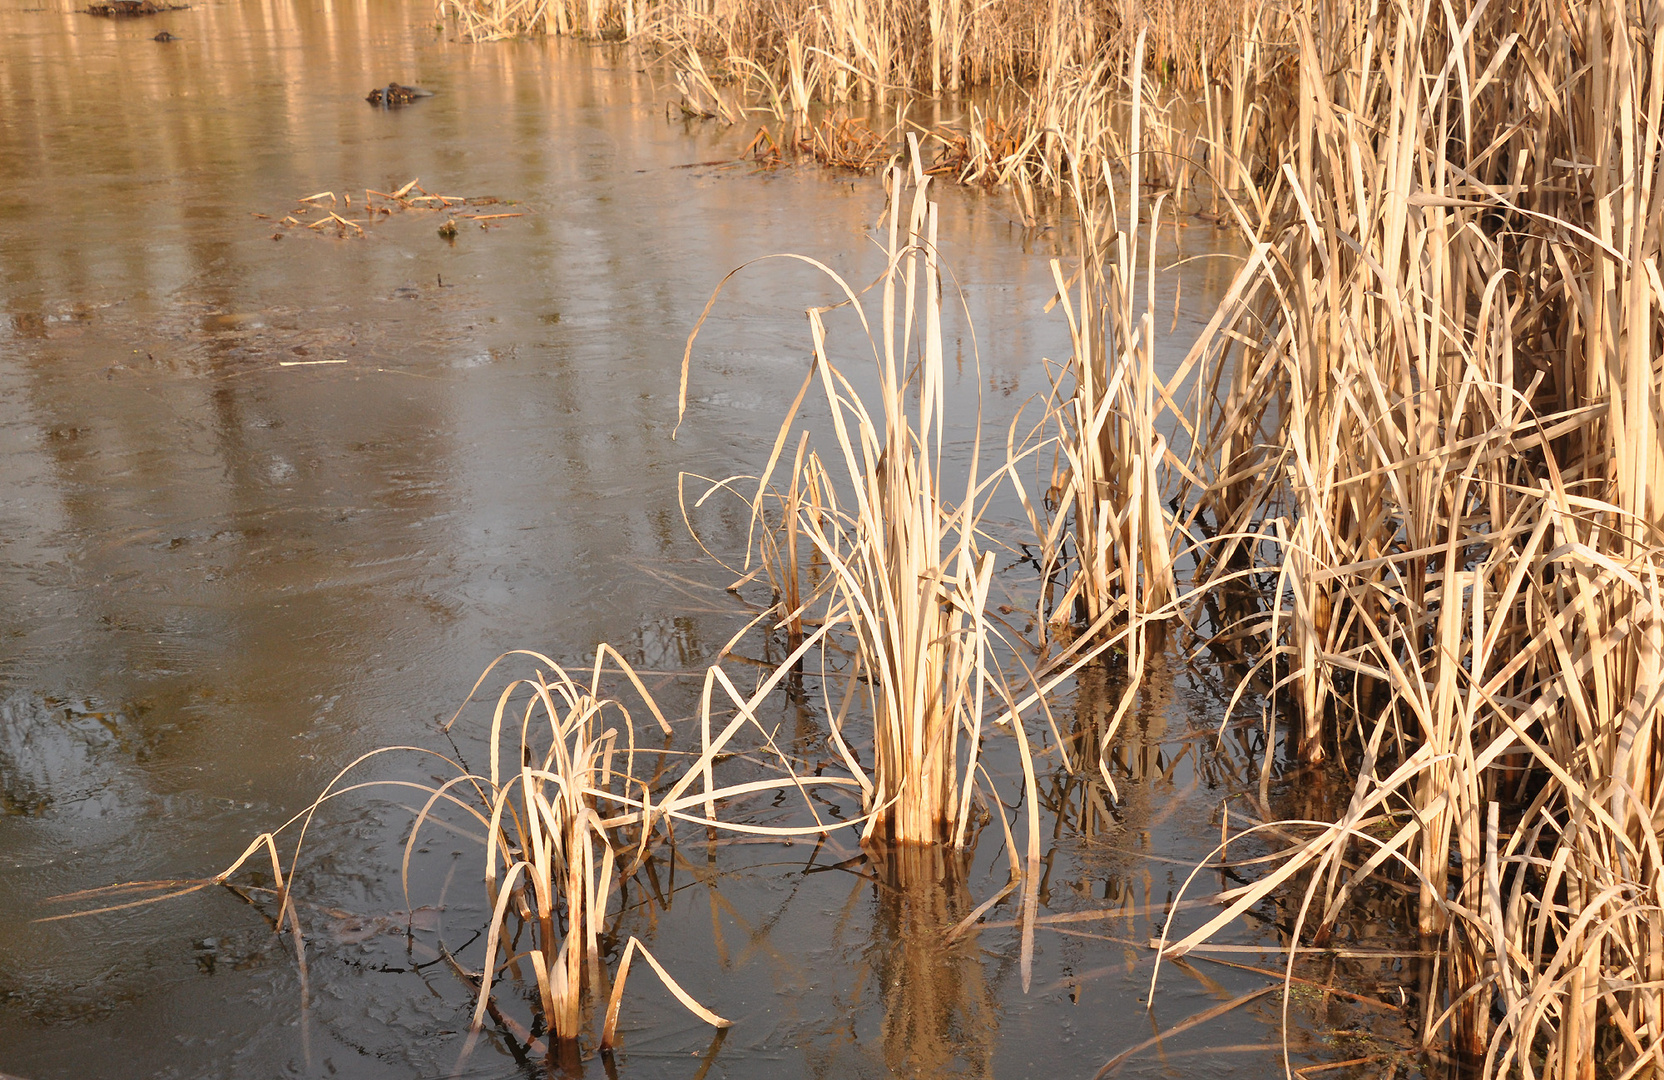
[[564, 818], [1111, 539]]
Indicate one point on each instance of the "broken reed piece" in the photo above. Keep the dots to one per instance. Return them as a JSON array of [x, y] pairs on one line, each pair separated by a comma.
[[337, 219]]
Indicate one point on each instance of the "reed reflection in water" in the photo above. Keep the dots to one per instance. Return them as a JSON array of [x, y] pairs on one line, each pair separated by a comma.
[[940, 1014]]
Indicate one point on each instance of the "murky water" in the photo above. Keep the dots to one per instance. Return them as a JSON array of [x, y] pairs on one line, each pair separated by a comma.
[[271, 496]]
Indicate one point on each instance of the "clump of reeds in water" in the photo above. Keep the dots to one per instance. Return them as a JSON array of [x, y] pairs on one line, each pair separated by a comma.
[[900, 573], [554, 812], [1111, 537], [1433, 426]]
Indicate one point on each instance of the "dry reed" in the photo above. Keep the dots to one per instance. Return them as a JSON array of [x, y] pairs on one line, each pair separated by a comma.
[[1112, 458]]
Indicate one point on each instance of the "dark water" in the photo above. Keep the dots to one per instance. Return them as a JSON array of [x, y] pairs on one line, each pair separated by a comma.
[[266, 504]]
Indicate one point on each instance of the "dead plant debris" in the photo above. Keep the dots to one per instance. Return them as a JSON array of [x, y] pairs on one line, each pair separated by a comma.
[[119, 9], [329, 211]]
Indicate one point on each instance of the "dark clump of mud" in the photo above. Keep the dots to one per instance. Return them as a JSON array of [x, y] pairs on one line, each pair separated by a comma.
[[393, 94]]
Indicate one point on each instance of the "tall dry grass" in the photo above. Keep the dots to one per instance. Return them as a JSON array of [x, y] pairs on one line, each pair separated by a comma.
[[854, 49], [875, 50], [1431, 445], [1109, 542], [1215, 78]]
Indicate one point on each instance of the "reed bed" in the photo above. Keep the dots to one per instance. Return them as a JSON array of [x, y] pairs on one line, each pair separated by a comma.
[[1427, 464], [868, 49], [1416, 519], [1215, 79], [1419, 515], [1070, 57]]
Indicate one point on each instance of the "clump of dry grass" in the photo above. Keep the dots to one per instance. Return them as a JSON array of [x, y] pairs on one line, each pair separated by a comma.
[[884, 579], [845, 143], [380, 204], [553, 813], [1110, 539], [1113, 452]]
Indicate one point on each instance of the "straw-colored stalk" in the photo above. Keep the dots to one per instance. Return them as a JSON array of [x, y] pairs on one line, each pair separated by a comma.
[[500, 19], [556, 810]]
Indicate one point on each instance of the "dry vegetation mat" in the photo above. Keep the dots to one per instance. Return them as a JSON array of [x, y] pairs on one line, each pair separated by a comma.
[[120, 9]]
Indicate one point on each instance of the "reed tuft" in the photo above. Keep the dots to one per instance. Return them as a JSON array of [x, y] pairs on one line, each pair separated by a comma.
[[900, 574]]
